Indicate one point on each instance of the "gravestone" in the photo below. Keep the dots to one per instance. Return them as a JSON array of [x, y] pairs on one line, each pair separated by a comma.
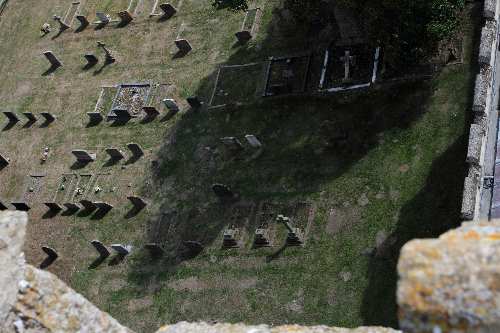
[[103, 207], [295, 236], [121, 249], [91, 60], [30, 116], [229, 239], [104, 19], [21, 205], [11, 116], [262, 237], [168, 11], [135, 149], [83, 155], [100, 248], [4, 161], [171, 105], [243, 36], [84, 22], [54, 62], [45, 29], [122, 114], [232, 143], [72, 207], [115, 154], [223, 191], [3, 206], [62, 26], [154, 250], [125, 17], [253, 141], [88, 205], [53, 206], [183, 46], [138, 202], [151, 112], [194, 102], [51, 257], [194, 247], [49, 117], [95, 117], [348, 60]]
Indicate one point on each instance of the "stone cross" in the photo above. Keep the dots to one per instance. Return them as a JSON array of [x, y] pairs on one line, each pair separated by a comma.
[[54, 62], [100, 248], [168, 11], [121, 249], [109, 57], [83, 155], [253, 141], [347, 59], [62, 26]]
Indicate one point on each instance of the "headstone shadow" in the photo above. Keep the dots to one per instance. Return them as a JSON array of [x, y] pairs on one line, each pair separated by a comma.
[[133, 212], [9, 126], [79, 165], [51, 70], [97, 262], [117, 259]]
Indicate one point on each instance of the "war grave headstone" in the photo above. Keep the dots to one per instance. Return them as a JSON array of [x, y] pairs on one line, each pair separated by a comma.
[[239, 219], [287, 75], [54, 62], [348, 65], [51, 257], [238, 84], [130, 97], [250, 25]]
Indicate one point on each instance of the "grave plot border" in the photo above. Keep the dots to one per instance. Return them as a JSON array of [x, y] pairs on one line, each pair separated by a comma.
[[111, 114], [95, 182], [311, 213], [272, 60], [245, 227], [76, 11], [218, 76], [28, 181], [360, 85], [66, 197], [85, 193]]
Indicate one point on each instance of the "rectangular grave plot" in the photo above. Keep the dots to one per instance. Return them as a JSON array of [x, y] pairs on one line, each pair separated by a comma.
[[133, 6], [105, 99], [70, 14], [34, 188], [288, 75], [251, 19], [111, 8], [104, 188], [82, 187], [158, 93], [240, 216], [361, 62], [131, 97], [238, 84], [303, 217], [66, 188]]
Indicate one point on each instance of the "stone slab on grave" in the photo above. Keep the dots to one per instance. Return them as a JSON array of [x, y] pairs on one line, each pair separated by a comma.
[[131, 97]]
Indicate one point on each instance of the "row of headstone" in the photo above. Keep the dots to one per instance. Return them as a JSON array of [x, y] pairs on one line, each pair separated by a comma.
[[90, 58], [90, 206], [18, 205], [83, 156], [13, 118]]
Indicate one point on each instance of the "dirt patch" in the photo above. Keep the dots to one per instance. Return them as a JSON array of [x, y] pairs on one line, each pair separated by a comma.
[[341, 218]]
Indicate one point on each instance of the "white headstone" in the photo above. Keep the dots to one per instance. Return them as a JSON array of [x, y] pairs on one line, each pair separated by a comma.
[[253, 141]]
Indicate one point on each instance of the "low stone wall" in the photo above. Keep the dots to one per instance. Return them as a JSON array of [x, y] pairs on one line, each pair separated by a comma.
[[481, 108]]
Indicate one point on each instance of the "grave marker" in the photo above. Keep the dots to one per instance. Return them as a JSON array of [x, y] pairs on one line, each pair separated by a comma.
[[183, 46], [295, 236], [168, 11], [84, 22], [95, 117], [21, 205], [135, 149], [83, 155], [171, 105], [51, 257], [115, 154], [253, 141], [49, 117], [54, 62], [348, 60], [3, 206], [88, 205], [125, 17], [223, 191], [30, 116], [230, 238], [91, 60], [243, 36], [103, 207], [11, 116], [53, 206], [100, 248], [262, 238], [71, 207], [138, 202], [109, 56], [194, 102], [151, 112], [4, 161], [232, 143], [104, 19], [121, 249], [45, 29]]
